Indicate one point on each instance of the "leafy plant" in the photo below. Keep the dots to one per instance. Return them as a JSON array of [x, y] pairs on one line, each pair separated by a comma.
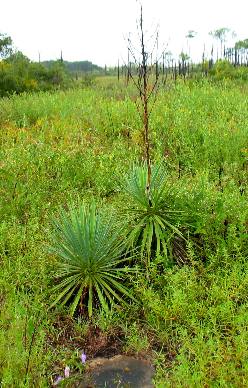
[[90, 269], [154, 221]]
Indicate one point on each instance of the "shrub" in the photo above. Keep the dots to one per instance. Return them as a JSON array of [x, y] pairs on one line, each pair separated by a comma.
[[225, 70]]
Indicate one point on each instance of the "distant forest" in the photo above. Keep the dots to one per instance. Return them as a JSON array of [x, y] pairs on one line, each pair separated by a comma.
[[77, 67]]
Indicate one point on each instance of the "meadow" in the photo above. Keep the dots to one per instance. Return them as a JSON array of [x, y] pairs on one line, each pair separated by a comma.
[[63, 148]]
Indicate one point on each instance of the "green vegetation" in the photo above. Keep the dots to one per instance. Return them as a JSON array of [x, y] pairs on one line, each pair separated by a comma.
[[91, 250], [77, 67], [18, 74], [190, 314], [154, 222], [225, 70]]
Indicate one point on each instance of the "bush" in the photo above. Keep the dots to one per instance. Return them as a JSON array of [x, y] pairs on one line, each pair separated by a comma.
[[225, 70], [19, 75]]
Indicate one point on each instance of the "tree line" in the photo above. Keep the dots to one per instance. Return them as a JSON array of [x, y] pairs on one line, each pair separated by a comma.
[[19, 74]]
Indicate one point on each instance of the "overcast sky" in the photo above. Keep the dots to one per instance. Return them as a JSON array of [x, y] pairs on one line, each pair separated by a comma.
[[95, 29]]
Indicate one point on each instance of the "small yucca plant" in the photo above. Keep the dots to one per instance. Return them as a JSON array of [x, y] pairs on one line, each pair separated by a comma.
[[153, 220], [90, 255]]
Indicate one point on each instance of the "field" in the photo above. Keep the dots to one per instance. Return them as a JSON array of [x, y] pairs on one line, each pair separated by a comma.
[[68, 147]]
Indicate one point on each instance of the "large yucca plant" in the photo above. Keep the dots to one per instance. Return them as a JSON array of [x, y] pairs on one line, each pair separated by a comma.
[[90, 260], [153, 220]]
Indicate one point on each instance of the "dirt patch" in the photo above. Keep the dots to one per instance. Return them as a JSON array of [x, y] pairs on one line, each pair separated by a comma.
[[95, 342], [100, 344]]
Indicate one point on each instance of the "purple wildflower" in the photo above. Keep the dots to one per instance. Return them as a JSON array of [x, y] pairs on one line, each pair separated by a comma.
[[58, 379], [67, 371], [83, 358]]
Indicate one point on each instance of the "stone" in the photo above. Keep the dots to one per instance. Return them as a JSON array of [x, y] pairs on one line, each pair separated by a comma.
[[118, 371]]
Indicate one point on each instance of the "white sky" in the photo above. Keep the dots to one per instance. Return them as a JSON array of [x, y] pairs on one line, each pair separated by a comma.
[[95, 29]]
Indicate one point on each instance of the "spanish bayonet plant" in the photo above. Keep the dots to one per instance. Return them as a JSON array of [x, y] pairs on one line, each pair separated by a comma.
[[91, 260], [153, 220]]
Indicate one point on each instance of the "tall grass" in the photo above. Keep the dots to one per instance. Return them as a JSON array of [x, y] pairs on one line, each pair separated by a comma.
[[69, 146]]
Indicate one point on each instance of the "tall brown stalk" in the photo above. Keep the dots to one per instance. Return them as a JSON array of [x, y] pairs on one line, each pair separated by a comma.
[[146, 89], [144, 97]]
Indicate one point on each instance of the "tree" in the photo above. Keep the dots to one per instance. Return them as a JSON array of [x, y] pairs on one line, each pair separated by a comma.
[[184, 57], [242, 44], [190, 35], [221, 34], [17, 57], [5, 46]]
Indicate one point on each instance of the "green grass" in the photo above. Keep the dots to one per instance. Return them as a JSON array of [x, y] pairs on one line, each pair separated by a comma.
[[72, 146]]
